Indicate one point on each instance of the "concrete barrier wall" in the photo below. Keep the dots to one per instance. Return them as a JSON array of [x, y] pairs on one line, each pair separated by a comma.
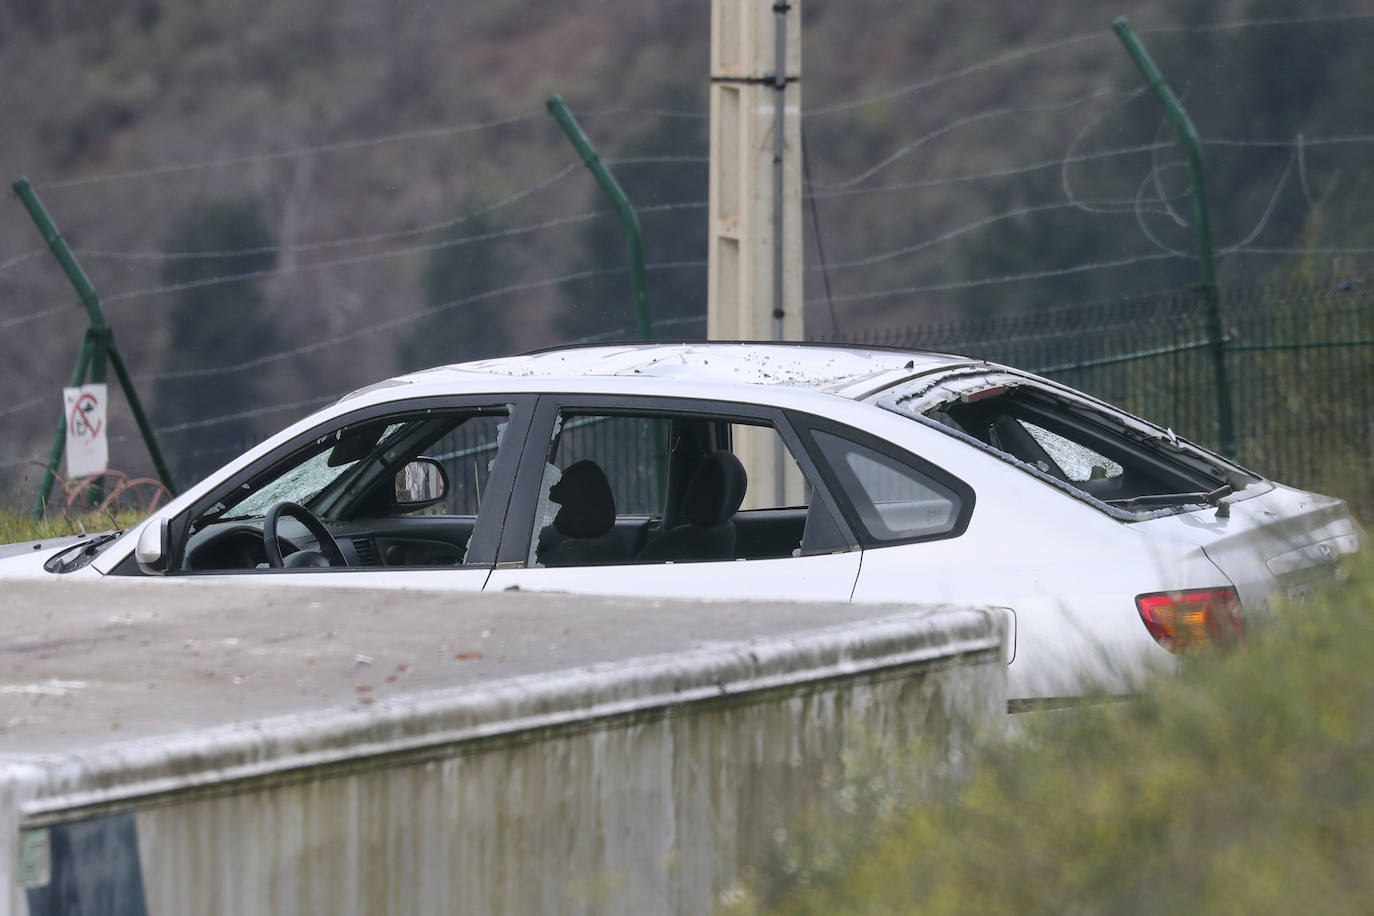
[[636, 783]]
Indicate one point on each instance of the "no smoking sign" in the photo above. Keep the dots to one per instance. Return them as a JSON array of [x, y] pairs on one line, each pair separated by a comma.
[[88, 448]]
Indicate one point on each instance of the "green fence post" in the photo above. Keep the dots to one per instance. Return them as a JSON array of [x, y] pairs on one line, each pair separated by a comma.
[[1202, 223], [97, 346], [628, 218], [634, 236]]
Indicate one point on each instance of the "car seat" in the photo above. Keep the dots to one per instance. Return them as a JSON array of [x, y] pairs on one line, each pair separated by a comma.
[[712, 498], [585, 520]]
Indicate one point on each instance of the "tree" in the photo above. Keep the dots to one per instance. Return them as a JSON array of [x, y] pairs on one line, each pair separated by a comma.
[[215, 322], [458, 326]]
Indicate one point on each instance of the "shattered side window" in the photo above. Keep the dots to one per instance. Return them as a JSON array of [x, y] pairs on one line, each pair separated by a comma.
[[672, 487], [629, 450]]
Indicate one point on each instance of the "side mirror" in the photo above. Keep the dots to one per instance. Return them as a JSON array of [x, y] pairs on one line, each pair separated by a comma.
[[153, 549], [423, 482]]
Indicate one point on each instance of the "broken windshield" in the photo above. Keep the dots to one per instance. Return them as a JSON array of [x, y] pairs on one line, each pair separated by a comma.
[[302, 482]]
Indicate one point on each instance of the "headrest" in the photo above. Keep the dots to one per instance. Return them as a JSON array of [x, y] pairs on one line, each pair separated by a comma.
[[588, 506], [715, 491]]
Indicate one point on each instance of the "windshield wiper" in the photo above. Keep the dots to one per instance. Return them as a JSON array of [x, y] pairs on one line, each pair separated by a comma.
[[1209, 497], [1160, 499], [79, 555]]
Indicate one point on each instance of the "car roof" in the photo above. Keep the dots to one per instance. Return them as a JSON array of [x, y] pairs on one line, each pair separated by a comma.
[[839, 369]]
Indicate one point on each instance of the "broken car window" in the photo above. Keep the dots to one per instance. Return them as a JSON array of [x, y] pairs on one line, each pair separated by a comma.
[[1084, 447], [672, 488]]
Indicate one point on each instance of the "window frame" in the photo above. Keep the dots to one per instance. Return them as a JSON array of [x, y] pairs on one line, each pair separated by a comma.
[[1095, 419], [518, 531], [967, 497], [487, 526]]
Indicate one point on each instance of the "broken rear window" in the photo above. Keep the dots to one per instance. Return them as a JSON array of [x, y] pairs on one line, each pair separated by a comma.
[[1089, 450]]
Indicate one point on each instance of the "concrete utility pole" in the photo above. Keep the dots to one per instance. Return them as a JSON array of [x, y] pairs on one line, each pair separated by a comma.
[[754, 272], [755, 259]]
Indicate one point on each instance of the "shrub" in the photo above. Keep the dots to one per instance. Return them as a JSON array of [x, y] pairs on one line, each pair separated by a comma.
[[1244, 785]]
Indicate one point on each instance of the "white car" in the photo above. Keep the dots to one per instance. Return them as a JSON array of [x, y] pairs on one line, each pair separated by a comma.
[[757, 470]]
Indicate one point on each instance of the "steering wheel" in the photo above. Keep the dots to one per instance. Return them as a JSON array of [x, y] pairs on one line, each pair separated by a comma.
[[329, 553]]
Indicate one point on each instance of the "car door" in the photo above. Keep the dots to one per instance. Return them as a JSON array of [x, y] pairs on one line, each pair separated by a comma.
[[352, 473], [683, 520]]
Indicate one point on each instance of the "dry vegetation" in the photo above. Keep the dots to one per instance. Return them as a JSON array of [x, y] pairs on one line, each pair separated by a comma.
[[1244, 786]]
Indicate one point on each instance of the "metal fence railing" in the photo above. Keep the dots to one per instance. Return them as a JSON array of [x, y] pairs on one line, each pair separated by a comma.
[[1299, 361]]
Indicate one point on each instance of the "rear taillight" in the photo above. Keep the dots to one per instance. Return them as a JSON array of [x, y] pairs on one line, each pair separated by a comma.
[[1183, 620]]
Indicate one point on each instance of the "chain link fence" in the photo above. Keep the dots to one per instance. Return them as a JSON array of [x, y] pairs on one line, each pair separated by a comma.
[[1299, 362]]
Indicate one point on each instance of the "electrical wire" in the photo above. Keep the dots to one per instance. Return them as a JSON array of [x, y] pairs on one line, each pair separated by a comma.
[[1302, 173], [999, 60], [656, 112], [426, 133], [1267, 250], [19, 259], [1293, 143], [1041, 165], [1256, 23], [1093, 122], [1268, 210], [949, 235], [659, 160], [246, 414], [629, 332], [31, 403], [955, 125], [1153, 179], [332, 243], [340, 262], [315, 266], [933, 81], [309, 402], [378, 237], [439, 132], [526, 286], [816, 233], [1009, 172], [817, 191], [1006, 278]]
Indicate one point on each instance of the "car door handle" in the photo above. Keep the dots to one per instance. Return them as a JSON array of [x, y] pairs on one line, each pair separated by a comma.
[[1009, 646]]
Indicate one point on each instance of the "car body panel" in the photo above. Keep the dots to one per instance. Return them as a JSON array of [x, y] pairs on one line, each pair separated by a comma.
[[1073, 598], [820, 578], [825, 369], [459, 579], [28, 562], [1279, 540], [45, 546]]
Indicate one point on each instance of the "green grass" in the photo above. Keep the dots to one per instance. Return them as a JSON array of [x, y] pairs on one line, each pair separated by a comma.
[[1244, 786], [18, 526]]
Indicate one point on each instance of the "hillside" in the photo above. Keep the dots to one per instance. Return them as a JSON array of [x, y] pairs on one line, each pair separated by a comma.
[[354, 163]]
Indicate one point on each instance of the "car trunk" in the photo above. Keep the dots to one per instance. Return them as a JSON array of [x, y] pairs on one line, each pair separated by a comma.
[[1277, 541]]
